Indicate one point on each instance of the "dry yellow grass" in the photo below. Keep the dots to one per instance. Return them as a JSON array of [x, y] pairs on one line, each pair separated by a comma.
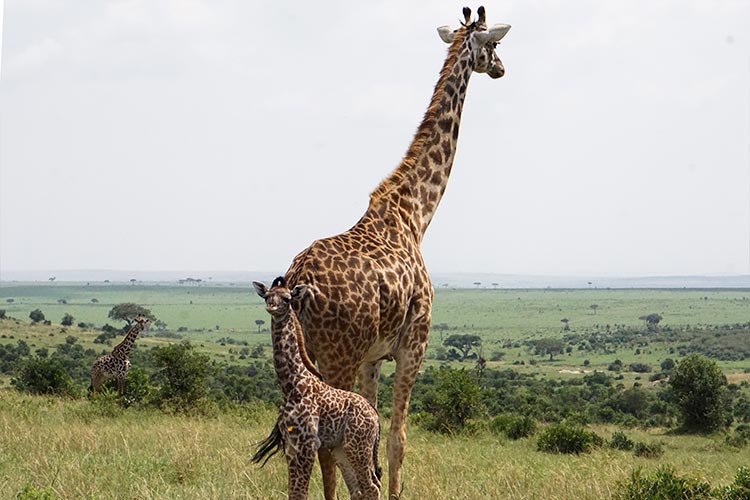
[[88, 451]]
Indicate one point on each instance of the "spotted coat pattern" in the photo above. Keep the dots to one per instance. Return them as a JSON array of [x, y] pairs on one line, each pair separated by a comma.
[[315, 415], [370, 294], [117, 364]]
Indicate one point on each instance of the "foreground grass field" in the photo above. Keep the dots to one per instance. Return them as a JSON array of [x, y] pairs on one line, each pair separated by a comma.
[[96, 450]]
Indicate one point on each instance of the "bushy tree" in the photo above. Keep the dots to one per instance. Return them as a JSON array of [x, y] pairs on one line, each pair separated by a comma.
[[452, 402], [183, 375], [548, 346], [698, 386], [43, 376], [67, 320], [128, 310], [36, 315], [464, 343]]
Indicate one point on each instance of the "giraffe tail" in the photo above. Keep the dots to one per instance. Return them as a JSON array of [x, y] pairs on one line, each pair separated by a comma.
[[378, 470], [269, 446]]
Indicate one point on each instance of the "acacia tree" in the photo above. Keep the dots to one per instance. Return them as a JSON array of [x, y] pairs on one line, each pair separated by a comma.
[[548, 346], [652, 320], [699, 388], [128, 310], [260, 323], [464, 343]]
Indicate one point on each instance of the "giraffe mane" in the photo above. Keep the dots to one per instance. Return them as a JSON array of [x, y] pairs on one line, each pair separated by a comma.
[[301, 343], [408, 165]]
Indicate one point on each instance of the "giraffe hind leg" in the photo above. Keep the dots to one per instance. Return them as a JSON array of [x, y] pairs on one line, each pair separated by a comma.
[[97, 379]]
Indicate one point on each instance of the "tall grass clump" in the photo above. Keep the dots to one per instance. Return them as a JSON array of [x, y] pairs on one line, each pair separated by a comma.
[[566, 438], [663, 485], [739, 489]]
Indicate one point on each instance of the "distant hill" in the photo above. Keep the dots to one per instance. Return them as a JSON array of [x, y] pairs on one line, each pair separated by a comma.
[[440, 280]]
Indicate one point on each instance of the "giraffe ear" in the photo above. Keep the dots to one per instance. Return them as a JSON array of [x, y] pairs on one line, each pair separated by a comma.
[[299, 291], [445, 33], [260, 289], [494, 34]]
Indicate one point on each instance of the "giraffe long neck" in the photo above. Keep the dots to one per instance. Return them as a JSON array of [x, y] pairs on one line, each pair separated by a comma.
[[122, 350], [289, 358], [417, 185]]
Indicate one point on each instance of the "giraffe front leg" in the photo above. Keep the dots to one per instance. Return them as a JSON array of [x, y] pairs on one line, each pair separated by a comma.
[[341, 379], [120, 387], [300, 463]]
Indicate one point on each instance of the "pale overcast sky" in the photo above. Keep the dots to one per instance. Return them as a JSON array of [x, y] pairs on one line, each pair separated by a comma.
[[227, 135]]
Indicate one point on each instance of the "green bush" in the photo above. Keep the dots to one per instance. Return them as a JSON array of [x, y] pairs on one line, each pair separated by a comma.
[[452, 402], [512, 426], [565, 438], [620, 441], [29, 492], [648, 450], [521, 427], [663, 485], [183, 375], [37, 375], [36, 315], [739, 489], [699, 385], [500, 423]]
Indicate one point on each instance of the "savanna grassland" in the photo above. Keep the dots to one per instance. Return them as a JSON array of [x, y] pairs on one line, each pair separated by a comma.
[[78, 449], [206, 314], [75, 447]]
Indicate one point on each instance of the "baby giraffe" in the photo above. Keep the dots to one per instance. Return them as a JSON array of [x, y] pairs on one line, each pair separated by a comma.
[[117, 364], [315, 415]]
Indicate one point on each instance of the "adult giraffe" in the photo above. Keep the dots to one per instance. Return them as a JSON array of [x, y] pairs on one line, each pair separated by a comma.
[[370, 295]]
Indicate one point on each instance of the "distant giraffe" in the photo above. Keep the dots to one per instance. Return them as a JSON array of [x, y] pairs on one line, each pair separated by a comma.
[[117, 364], [369, 293], [315, 415]]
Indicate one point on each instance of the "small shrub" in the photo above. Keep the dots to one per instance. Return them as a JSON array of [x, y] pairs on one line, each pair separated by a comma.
[[648, 450], [565, 438], [521, 427], [663, 485], [500, 423], [739, 489], [67, 320], [640, 368], [620, 441], [740, 438], [43, 376], [29, 492]]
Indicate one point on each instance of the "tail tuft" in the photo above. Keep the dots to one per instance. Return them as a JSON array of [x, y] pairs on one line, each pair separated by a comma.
[[269, 446]]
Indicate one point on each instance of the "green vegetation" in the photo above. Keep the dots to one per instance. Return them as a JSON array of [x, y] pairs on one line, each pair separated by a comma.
[[566, 438], [502, 366], [699, 390]]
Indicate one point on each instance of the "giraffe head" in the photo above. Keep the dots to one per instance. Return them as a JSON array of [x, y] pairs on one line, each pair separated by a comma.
[[140, 321], [481, 42], [279, 298]]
